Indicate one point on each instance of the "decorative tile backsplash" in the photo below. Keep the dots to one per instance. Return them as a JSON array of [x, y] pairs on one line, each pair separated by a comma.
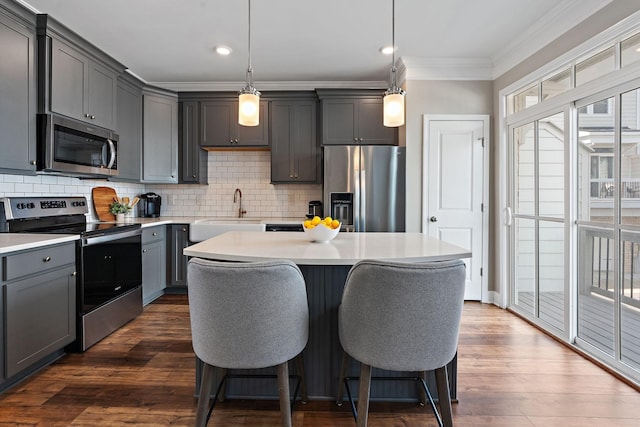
[[249, 171]]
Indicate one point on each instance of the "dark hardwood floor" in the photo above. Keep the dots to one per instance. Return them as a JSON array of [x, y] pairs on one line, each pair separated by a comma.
[[510, 374]]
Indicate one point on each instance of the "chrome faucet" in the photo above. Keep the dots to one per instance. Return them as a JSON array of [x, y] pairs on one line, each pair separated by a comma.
[[237, 196]]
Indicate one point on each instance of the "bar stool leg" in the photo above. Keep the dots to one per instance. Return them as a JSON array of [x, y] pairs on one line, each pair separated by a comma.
[[223, 392], [363, 395], [422, 396], [444, 398], [343, 374], [303, 381], [208, 372], [283, 389]]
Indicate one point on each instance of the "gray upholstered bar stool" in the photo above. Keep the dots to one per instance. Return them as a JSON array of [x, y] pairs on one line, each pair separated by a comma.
[[401, 317], [246, 316]]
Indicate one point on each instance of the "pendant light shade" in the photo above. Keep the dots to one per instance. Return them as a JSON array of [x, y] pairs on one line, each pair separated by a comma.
[[249, 99], [394, 96]]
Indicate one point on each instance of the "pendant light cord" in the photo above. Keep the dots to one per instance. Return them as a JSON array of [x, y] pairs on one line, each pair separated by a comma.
[[249, 69], [393, 45]]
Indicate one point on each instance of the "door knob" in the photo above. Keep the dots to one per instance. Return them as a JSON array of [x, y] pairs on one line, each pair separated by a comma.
[[433, 219]]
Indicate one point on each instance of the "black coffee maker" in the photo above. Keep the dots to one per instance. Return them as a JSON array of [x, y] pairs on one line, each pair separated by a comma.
[[315, 209], [150, 205]]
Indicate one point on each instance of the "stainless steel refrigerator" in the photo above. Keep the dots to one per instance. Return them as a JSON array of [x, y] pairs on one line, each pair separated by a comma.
[[364, 187]]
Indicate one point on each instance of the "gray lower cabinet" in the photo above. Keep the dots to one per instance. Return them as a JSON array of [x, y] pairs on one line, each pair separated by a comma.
[[178, 240], [129, 128], [17, 91], [219, 125], [154, 267], [160, 138], [354, 117], [39, 305], [294, 151], [193, 159]]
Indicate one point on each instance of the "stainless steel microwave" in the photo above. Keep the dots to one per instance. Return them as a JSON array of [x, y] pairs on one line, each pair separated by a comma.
[[72, 148]]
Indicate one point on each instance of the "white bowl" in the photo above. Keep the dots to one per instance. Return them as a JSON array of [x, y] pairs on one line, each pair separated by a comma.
[[321, 233]]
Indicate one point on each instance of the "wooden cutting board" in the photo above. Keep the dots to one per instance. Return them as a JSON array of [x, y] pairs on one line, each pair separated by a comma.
[[102, 198]]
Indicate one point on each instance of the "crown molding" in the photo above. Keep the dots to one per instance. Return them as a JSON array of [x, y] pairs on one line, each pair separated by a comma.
[[558, 20], [415, 68], [268, 85]]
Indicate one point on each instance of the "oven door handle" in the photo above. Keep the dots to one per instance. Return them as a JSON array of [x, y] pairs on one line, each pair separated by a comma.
[[109, 237]]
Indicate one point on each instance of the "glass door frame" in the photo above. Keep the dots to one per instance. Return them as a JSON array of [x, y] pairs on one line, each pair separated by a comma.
[[569, 212]]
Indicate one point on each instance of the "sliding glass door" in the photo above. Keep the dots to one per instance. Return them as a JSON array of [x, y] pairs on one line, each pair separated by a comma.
[[538, 156], [608, 292]]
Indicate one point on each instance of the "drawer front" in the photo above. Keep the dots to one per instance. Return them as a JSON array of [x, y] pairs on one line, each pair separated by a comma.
[[153, 233], [38, 261]]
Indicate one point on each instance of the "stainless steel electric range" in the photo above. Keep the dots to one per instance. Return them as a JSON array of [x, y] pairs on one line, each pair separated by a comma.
[[108, 258]]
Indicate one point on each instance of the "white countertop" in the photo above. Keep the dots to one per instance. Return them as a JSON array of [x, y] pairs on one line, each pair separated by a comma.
[[11, 242], [345, 249]]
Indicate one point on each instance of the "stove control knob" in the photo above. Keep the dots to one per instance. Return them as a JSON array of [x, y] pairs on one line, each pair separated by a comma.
[[31, 205]]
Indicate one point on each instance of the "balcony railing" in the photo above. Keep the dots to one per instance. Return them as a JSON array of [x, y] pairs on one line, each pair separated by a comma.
[[605, 188]]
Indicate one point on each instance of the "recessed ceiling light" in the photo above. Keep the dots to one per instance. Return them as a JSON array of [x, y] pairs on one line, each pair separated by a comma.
[[387, 50], [223, 50]]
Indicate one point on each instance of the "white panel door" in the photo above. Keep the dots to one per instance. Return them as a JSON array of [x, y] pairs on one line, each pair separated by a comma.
[[455, 188]]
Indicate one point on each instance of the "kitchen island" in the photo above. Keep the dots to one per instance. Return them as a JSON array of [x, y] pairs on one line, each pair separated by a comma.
[[325, 267]]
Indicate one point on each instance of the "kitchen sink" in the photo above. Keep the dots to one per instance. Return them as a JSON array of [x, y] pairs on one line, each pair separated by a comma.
[[203, 229]]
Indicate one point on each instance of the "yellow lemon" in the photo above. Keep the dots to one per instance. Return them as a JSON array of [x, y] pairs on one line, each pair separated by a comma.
[[335, 224], [307, 224], [316, 220], [328, 219]]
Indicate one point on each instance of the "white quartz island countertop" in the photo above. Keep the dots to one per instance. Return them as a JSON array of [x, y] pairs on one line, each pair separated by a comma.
[[345, 249]]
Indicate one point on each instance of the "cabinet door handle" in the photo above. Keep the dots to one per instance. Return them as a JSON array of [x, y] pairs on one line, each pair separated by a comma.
[[231, 141], [144, 251], [86, 115], [75, 273], [93, 117], [355, 139], [33, 162], [184, 230], [46, 259], [361, 139], [193, 176], [155, 234]]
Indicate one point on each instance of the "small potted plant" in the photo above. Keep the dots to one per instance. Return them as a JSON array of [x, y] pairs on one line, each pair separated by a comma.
[[119, 209]]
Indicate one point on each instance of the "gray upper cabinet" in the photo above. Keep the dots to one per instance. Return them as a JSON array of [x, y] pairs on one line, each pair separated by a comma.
[[17, 91], [354, 117], [160, 138], [129, 129], [193, 159], [219, 125], [294, 151], [81, 88], [76, 79]]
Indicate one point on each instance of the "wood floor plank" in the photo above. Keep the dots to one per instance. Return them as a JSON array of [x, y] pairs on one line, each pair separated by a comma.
[[509, 375]]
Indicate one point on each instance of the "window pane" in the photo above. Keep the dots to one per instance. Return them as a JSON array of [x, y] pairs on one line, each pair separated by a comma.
[[630, 50], [524, 158], [630, 158], [551, 272], [595, 163], [551, 138], [556, 85], [596, 287], [525, 266], [596, 66], [525, 99], [630, 300]]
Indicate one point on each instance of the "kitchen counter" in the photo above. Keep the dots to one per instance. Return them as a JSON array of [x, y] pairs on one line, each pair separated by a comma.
[[325, 267], [345, 249], [11, 242]]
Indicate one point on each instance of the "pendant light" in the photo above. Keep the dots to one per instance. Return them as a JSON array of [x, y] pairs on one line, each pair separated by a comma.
[[249, 99], [394, 96]]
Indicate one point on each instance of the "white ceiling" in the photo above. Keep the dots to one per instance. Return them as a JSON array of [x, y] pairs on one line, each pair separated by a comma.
[[311, 43]]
